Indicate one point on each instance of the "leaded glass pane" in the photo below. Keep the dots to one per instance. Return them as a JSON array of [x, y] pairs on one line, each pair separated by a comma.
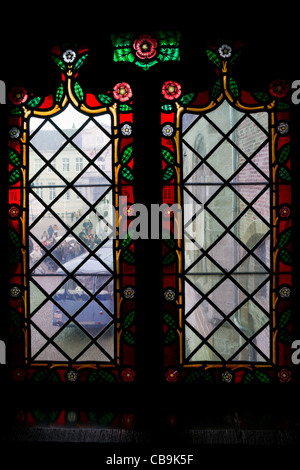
[[77, 222], [227, 212]]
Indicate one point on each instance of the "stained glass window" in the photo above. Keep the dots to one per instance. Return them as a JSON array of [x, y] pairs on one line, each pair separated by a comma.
[[227, 277], [72, 272]]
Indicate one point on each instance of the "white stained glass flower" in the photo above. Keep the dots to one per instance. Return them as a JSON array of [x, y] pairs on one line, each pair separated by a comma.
[[169, 295], [227, 377], [69, 56], [14, 132], [225, 51], [72, 376], [129, 293], [126, 129], [283, 128], [167, 130]]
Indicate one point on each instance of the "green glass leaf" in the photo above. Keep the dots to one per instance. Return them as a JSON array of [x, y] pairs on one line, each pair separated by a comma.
[[59, 62], [107, 376], [17, 337], [169, 258], [235, 56], [127, 154], [16, 111], [166, 38], [285, 318], [122, 40], [14, 158], [264, 97], [170, 243], [34, 102], [168, 173], [125, 107], [169, 54], [262, 377], [129, 319], [127, 174], [78, 91], [283, 106], [124, 55], [147, 64], [284, 153], [167, 107], [248, 377], [80, 61], [16, 317], [128, 338], [285, 237], [105, 99], [15, 257], [216, 89], [285, 174], [285, 256], [167, 156], [59, 93], [93, 377], [14, 176], [213, 57], [128, 257], [233, 88], [14, 238], [45, 375], [187, 98], [169, 320], [201, 374], [126, 242], [170, 336], [285, 336]]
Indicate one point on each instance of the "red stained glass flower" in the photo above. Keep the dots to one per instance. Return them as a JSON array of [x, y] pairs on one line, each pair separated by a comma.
[[128, 375], [14, 211], [122, 92], [128, 211], [145, 47], [284, 375], [128, 421], [279, 88], [171, 90], [18, 95], [18, 374], [284, 212], [172, 375]]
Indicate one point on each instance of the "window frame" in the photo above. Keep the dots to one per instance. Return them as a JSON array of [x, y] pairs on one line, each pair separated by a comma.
[[23, 106], [275, 103]]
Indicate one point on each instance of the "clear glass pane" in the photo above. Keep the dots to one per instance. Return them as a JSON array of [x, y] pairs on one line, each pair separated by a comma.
[[226, 205], [48, 227], [226, 160], [203, 137], [225, 117], [248, 136], [72, 340], [226, 340], [213, 153], [66, 231], [250, 229], [228, 252]]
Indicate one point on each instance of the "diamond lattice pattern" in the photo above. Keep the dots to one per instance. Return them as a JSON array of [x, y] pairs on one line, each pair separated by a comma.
[[71, 245], [226, 198]]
